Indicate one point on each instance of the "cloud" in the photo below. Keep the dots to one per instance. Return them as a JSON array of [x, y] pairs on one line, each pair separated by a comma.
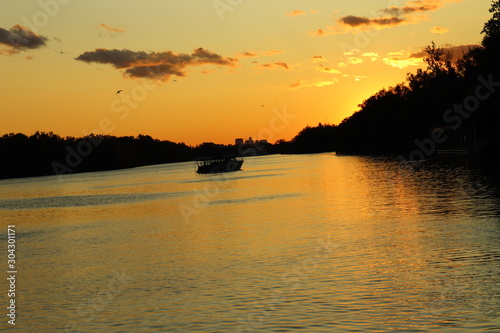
[[324, 83], [356, 56], [250, 54], [355, 60], [411, 13], [299, 12], [322, 68], [318, 58], [319, 32], [326, 69], [298, 84], [355, 21], [19, 38], [247, 54], [416, 6], [456, 51], [439, 30], [154, 65], [110, 29], [275, 64], [373, 56], [271, 52], [296, 12], [403, 59], [355, 77]]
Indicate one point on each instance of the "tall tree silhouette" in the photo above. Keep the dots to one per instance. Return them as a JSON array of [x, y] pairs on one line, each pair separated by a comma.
[[492, 27]]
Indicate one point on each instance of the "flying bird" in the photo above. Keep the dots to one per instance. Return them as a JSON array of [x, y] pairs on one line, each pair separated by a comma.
[[119, 91]]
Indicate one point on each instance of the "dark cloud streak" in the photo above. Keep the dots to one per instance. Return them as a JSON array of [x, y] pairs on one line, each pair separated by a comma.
[[275, 64], [19, 38], [399, 11], [355, 21], [154, 65], [456, 51], [412, 12]]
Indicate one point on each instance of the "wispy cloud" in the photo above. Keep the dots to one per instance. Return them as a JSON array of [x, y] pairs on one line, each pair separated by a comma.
[[321, 32], [355, 60], [355, 57], [318, 58], [299, 12], [326, 69], [296, 12], [253, 54], [110, 29], [356, 21], [416, 6], [404, 59], [154, 65], [19, 38], [372, 56], [439, 30], [456, 51], [275, 65], [411, 13], [298, 84], [247, 54], [355, 77]]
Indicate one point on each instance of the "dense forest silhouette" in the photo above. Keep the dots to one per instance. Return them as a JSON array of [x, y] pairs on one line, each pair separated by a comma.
[[451, 104]]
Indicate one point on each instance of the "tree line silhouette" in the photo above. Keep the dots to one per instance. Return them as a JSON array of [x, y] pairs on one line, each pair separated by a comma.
[[460, 97], [454, 96]]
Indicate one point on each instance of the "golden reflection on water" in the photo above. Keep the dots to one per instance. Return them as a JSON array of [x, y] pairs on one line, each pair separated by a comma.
[[323, 243]]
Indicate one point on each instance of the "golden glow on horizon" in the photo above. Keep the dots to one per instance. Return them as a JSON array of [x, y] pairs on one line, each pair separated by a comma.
[[278, 65]]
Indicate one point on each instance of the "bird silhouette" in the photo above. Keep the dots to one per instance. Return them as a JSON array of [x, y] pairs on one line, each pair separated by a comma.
[[119, 91]]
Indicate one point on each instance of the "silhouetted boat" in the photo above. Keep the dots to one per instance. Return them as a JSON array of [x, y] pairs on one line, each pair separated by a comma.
[[218, 164]]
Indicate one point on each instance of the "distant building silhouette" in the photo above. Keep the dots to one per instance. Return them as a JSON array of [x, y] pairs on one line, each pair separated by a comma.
[[250, 142]]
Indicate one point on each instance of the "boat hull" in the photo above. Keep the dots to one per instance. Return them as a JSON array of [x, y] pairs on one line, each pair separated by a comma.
[[218, 167]]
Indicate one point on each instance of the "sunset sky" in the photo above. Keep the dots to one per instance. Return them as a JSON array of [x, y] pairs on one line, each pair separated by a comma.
[[212, 71]]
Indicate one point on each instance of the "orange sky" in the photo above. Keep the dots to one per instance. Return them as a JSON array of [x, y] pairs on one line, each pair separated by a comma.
[[211, 70]]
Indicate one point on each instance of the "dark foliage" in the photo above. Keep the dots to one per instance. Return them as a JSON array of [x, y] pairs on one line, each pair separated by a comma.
[[393, 119], [315, 139], [47, 153]]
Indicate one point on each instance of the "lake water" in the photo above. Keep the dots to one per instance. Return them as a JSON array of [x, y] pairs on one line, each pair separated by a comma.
[[309, 243]]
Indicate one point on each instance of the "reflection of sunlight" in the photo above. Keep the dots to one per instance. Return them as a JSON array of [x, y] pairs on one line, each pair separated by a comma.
[[404, 201], [401, 247]]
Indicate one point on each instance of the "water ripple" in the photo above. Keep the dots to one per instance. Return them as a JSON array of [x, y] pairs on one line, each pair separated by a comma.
[[84, 200]]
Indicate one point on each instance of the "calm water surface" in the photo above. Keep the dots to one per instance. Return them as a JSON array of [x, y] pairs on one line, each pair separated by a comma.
[[312, 243]]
